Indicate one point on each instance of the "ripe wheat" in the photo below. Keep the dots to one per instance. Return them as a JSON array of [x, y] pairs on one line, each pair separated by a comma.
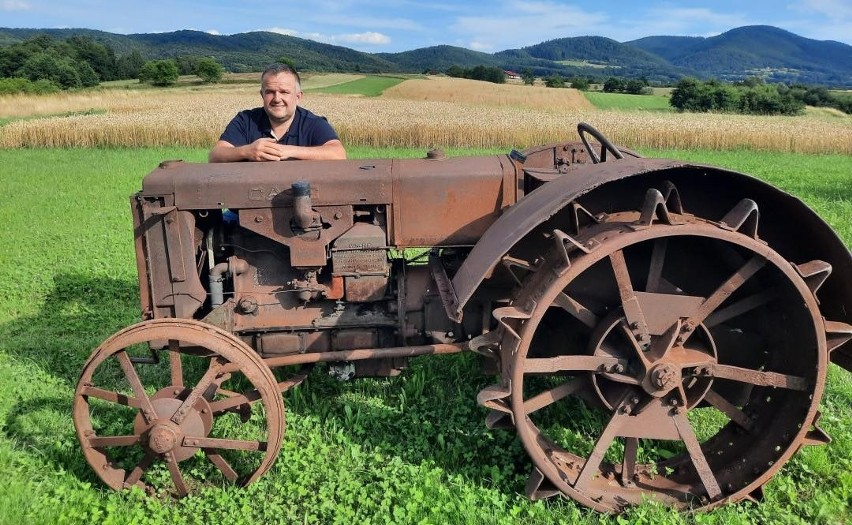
[[476, 115]]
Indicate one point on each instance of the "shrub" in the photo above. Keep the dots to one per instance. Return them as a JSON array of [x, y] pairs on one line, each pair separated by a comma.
[[580, 83], [11, 86], [159, 72], [554, 81], [61, 70], [209, 70], [748, 98], [613, 85]]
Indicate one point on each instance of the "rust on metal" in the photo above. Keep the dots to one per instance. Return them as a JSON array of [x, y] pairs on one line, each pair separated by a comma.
[[649, 290]]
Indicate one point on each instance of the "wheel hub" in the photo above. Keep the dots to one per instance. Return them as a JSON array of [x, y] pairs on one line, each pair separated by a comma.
[[664, 377], [162, 438], [163, 435]]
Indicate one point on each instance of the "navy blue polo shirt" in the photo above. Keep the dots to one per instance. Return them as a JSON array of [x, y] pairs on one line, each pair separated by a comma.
[[307, 129]]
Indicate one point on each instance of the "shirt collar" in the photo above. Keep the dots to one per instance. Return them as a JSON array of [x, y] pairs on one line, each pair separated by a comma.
[[292, 130]]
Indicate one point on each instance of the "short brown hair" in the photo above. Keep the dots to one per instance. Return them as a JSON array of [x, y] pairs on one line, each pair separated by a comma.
[[274, 69]]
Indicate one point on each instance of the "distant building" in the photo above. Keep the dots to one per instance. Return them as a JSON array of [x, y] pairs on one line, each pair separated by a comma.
[[512, 75]]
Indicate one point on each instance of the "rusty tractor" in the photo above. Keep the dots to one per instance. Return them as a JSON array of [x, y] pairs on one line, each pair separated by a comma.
[[650, 293]]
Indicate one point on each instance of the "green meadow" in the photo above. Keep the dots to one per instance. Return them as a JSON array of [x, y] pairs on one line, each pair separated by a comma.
[[624, 101], [370, 86], [410, 449]]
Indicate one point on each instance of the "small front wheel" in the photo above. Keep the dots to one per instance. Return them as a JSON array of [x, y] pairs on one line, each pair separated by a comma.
[[209, 412]]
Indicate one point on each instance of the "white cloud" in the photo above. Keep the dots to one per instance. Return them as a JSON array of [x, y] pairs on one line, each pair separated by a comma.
[[281, 31], [832, 9], [370, 38], [14, 5], [697, 21], [833, 20], [516, 23], [480, 46], [213, 32]]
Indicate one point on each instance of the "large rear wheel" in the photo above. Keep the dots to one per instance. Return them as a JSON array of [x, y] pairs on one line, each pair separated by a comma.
[[678, 359]]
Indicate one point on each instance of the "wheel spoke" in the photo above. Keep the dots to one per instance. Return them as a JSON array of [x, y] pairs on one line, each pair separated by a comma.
[[741, 307], [574, 363], [655, 271], [140, 468], [554, 394], [593, 462], [729, 409], [628, 464], [629, 302], [193, 397], [226, 469], [724, 291], [113, 397], [577, 310], [759, 377], [113, 441], [176, 366], [225, 444], [147, 408], [697, 455], [177, 477], [223, 405]]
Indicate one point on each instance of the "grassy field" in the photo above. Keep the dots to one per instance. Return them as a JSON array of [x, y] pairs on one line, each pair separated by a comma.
[[625, 102], [412, 449], [371, 86]]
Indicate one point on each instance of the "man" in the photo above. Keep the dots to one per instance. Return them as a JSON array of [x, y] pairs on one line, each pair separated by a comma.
[[279, 130]]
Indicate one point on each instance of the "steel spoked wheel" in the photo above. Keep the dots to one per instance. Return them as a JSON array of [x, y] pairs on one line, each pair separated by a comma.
[[171, 404], [682, 362]]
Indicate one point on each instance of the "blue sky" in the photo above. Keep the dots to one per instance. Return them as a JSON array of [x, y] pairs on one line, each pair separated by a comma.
[[388, 26]]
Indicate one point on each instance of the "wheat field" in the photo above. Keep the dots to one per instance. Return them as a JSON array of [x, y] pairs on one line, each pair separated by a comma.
[[417, 113], [465, 91]]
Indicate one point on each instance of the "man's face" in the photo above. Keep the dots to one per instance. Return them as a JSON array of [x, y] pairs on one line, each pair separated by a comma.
[[281, 95]]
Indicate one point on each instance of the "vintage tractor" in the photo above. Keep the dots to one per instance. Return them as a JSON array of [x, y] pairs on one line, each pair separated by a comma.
[[667, 301]]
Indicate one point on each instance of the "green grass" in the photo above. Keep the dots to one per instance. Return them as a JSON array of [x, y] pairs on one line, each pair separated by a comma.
[[412, 449], [623, 101], [583, 63], [370, 86], [824, 182]]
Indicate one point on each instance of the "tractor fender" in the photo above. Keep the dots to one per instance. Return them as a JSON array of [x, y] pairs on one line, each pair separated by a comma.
[[786, 223]]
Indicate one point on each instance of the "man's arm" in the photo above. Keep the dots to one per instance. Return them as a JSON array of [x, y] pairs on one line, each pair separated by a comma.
[[331, 150], [268, 149], [261, 149]]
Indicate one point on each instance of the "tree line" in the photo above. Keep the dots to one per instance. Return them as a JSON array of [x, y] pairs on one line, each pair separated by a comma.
[[43, 64], [752, 96], [485, 73]]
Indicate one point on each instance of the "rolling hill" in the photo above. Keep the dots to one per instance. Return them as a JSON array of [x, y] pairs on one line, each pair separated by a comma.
[[772, 53], [767, 51]]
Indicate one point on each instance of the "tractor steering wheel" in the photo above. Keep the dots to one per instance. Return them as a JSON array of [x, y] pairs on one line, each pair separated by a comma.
[[606, 145]]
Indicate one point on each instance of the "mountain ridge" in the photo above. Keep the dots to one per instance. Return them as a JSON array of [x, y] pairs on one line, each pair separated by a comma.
[[766, 51]]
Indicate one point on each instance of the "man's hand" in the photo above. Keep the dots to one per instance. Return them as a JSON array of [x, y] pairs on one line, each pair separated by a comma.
[[260, 150], [331, 150], [267, 149], [263, 149]]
